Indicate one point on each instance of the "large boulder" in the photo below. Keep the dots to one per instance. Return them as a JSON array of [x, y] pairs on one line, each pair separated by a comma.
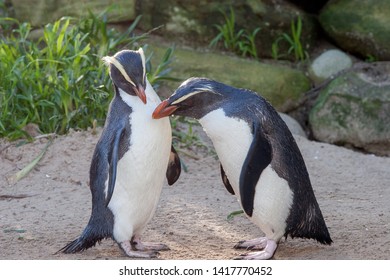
[[361, 27], [354, 109], [196, 20], [41, 12], [281, 85]]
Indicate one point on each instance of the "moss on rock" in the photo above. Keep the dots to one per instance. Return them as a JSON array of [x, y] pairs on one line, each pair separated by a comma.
[[361, 28], [354, 109]]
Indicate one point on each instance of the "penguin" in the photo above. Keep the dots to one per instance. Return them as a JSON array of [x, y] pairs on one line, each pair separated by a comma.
[[260, 161], [130, 162]]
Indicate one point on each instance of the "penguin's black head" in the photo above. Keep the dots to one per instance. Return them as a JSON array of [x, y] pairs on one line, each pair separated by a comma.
[[194, 98], [128, 72]]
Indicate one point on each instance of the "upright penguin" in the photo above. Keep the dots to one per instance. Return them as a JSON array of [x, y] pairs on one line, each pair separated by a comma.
[[131, 159], [260, 161]]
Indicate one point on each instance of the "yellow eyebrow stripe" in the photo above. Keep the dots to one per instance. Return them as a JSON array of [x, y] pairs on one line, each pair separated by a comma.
[[205, 88], [115, 62], [185, 97], [141, 52]]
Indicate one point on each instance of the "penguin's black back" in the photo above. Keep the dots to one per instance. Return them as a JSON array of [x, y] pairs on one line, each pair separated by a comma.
[[305, 219]]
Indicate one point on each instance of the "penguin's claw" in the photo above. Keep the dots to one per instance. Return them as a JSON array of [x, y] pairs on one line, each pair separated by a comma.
[[253, 244], [265, 254], [261, 255]]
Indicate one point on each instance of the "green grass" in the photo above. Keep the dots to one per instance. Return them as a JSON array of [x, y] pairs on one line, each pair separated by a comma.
[[243, 43], [240, 42], [58, 81], [294, 42]]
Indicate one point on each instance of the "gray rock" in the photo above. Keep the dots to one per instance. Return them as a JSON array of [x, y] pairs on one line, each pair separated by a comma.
[[328, 64], [41, 12], [354, 109], [360, 27]]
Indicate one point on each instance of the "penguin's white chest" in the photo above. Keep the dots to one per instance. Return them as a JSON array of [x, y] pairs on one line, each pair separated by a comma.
[[141, 171], [232, 139]]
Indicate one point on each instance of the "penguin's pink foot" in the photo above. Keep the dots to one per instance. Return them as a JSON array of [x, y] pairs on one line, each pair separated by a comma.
[[130, 252], [253, 244], [267, 252], [145, 246]]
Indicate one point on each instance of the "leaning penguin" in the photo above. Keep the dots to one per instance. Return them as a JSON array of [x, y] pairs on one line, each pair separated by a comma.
[[131, 160], [260, 161]]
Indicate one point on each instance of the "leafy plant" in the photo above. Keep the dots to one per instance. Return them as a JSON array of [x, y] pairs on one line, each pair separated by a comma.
[[161, 73], [227, 32], [183, 132], [275, 49], [239, 42], [294, 41], [248, 46], [371, 58], [59, 81]]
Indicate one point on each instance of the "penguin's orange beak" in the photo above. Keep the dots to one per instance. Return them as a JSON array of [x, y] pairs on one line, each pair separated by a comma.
[[140, 91], [163, 110]]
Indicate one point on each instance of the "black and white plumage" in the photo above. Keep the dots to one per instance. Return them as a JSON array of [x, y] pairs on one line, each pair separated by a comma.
[[131, 160], [260, 161]]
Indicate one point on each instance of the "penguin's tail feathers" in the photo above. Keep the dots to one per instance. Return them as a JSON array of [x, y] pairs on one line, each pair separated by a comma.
[[323, 237], [320, 234], [311, 226], [88, 239]]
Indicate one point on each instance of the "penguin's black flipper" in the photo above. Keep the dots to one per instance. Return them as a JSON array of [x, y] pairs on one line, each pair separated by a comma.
[[174, 167], [258, 158], [225, 181], [113, 158]]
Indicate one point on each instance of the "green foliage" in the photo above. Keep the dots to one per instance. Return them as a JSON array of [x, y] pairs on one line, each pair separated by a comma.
[[241, 42], [161, 73], [188, 138], [247, 47], [294, 42], [231, 216], [275, 49], [59, 81], [371, 58]]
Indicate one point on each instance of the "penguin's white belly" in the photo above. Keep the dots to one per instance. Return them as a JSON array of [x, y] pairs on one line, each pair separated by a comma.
[[232, 138], [140, 172]]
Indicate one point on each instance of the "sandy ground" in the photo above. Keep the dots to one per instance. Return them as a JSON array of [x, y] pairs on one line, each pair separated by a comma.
[[51, 206]]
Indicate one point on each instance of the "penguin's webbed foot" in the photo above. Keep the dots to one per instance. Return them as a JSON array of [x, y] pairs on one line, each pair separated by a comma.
[[145, 246], [130, 252], [253, 244], [268, 245]]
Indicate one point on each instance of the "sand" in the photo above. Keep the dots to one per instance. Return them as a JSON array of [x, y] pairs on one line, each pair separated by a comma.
[[50, 206]]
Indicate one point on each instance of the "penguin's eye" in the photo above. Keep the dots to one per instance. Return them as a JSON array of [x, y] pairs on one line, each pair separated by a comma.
[[187, 103]]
